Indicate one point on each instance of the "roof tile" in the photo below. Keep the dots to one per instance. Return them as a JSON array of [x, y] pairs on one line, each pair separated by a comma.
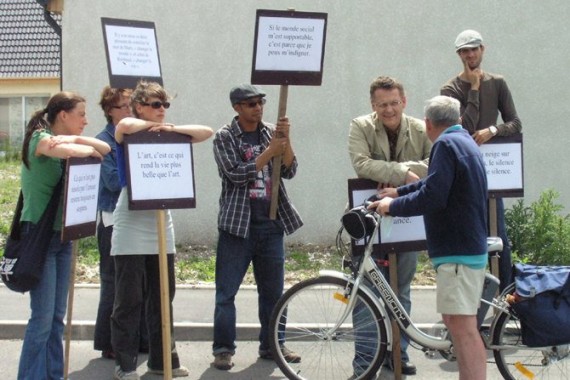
[[29, 47]]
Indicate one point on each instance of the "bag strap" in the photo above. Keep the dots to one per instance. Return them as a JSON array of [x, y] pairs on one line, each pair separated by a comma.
[[56, 192], [53, 204], [15, 227]]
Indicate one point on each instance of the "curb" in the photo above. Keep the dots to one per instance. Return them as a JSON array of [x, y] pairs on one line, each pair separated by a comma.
[[183, 331], [11, 329], [210, 286]]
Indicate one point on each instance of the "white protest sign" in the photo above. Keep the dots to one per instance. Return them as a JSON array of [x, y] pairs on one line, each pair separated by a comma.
[[289, 44], [82, 193], [161, 171], [289, 47], [132, 51], [403, 229], [503, 164]]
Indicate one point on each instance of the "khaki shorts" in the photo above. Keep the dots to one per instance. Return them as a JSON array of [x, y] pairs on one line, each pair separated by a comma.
[[459, 289]]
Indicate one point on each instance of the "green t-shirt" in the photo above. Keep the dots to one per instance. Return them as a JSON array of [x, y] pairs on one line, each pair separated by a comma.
[[39, 181]]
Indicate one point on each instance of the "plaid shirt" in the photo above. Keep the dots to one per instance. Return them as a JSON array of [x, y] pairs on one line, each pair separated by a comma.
[[236, 174]]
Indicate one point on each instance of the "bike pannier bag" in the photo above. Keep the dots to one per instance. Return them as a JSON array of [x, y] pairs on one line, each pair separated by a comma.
[[544, 306]]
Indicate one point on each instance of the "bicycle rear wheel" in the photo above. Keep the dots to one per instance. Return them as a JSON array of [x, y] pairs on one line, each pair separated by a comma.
[[303, 319], [517, 361]]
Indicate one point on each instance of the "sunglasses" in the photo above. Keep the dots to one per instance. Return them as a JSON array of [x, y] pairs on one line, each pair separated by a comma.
[[252, 104], [156, 105]]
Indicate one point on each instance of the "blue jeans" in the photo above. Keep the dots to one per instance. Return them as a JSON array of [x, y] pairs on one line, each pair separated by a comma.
[[406, 266], [264, 248], [42, 351]]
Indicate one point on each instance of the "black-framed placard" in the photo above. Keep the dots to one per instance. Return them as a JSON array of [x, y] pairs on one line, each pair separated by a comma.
[[289, 47], [132, 52], [80, 197], [503, 158], [404, 235], [160, 171]]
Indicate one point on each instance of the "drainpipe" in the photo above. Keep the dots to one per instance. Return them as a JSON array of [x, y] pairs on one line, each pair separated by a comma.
[[57, 29], [50, 20]]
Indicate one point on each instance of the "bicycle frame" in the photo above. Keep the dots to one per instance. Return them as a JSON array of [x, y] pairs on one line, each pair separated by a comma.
[[370, 271]]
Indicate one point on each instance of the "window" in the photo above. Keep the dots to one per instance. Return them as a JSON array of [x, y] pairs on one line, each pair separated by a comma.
[[15, 112]]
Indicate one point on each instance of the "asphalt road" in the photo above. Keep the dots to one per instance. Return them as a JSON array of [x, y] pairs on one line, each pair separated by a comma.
[[193, 313]]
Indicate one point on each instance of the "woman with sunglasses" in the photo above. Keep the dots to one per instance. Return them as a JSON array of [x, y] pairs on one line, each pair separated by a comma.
[[134, 246], [52, 135]]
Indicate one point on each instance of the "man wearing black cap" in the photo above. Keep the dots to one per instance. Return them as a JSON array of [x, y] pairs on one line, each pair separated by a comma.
[[243, 151], [482, 96]]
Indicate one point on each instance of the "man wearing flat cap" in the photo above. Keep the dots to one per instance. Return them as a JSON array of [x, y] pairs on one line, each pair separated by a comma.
[[244, 150], [482, 96]]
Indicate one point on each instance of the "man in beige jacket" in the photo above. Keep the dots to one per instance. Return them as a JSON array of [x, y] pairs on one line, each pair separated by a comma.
[[392, 149]]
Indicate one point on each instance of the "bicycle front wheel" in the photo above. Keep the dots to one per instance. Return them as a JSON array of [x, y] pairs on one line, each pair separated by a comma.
[[303, 322], [517, 361]]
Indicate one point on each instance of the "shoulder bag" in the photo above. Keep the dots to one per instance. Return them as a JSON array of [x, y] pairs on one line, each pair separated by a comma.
[[22, 266]]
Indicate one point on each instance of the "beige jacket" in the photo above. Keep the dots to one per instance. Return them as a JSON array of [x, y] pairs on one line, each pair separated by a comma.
[[370, 151]]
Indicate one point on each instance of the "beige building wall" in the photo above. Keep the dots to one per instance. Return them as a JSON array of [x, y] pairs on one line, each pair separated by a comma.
[[206, 48]]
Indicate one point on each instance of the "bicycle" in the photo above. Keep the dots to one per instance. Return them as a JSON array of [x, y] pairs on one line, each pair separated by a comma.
[[314, 318]]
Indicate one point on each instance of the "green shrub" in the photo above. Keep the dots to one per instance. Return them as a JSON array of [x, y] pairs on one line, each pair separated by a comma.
[[201, 269], [9, 153], [539, 234], [9, 190], [88, 251]]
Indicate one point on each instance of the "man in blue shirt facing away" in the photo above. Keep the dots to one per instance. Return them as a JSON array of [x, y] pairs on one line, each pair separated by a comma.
[[453, 200]]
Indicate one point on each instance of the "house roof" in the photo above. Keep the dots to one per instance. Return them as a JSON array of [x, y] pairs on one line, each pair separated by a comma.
[[29, 47]]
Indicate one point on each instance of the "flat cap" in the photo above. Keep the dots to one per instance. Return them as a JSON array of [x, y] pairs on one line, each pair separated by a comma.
[[243, 92], [468, 39]]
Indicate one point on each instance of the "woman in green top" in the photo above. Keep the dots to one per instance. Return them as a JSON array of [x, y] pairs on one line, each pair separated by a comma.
[[52, 135]]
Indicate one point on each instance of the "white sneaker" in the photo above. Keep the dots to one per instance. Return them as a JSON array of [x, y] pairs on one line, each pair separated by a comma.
[[176, 372], [122, 375]]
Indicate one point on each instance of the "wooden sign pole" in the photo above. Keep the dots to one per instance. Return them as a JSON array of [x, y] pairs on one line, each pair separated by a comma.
[[276, 175], [493, 231], [396, 354], [69, 324], [164, 295]]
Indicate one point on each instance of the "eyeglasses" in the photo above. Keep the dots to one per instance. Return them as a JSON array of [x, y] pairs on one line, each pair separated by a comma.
[[393, 104], [123, 107], [156, 105], [260, 102]]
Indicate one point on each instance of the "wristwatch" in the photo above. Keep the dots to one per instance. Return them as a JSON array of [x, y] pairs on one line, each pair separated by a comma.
[[493, 130]]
